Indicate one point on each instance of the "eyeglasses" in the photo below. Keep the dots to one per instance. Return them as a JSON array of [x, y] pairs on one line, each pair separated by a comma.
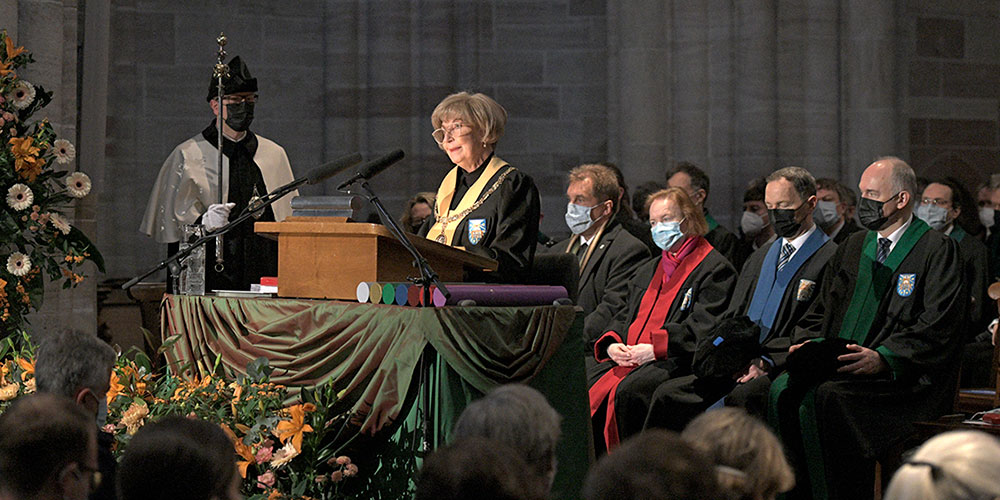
[[935, 201], [455, 131], [239, 99]]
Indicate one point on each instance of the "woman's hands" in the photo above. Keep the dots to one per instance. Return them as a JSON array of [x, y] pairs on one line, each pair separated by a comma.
[[631, 355]]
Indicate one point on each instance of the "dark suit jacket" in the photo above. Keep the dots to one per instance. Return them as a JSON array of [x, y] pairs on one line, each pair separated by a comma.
[[850, 227], [981, 309], [604, 280]]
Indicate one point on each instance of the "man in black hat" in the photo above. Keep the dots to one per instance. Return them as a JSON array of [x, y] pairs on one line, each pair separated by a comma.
[[187, 188]]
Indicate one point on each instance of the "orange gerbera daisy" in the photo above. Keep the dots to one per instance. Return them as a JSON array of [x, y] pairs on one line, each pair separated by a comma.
[[294, 429]]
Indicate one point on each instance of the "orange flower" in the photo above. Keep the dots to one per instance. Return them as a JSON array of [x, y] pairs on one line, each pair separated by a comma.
[[27, 367], [293, 429], [11, 51], [245, 452], [275, 495], [114, 387], [26, 160]]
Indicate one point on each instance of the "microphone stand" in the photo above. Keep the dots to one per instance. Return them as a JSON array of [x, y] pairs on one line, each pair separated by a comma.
[[176, 258], [427, 277]]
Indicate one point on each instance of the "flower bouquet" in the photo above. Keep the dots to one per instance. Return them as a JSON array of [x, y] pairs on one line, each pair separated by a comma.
[[36, 238]]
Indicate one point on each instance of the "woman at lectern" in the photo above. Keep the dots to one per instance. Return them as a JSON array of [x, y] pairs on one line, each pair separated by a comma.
[[483, 205]]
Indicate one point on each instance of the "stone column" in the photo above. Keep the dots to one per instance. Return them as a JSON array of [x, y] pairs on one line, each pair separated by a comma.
[[870, 118]]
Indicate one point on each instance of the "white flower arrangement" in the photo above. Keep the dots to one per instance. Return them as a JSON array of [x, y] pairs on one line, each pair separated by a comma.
[[64, 151], [18, 264], [59, 222], [20, 197], [22, 95], [78, 184]]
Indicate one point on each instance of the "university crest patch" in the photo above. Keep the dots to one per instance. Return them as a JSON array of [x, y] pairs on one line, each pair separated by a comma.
[[806, 289], [686, 303], [905, 284], [477, 229]]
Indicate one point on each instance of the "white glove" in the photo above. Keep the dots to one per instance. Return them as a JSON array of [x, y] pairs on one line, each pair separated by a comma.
[[216, 216]]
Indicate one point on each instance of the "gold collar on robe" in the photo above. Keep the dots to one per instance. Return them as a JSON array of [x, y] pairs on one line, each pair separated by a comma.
[[444, 227]]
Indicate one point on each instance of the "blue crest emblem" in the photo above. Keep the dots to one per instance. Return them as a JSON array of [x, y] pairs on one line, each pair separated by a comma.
[[477, 229], [905, 284], [686, 303]]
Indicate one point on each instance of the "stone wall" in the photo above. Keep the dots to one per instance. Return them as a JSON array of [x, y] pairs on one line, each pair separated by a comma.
[[954, 88]]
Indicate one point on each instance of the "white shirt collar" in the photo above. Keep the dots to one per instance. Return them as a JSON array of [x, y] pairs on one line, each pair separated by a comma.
[[897, 234]]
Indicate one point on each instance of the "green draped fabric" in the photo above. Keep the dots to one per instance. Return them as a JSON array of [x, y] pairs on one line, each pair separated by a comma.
[[372, 354]]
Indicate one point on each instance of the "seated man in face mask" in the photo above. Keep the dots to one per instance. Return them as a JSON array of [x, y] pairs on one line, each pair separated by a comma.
[[755, 226], [607, 252], [832, 213], [187, 188]]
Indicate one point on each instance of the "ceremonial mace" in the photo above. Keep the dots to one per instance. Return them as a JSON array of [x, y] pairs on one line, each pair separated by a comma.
[[221, 71]]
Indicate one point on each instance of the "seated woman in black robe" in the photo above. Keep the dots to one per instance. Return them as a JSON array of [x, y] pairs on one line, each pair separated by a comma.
[[674, 301], [483, 205]]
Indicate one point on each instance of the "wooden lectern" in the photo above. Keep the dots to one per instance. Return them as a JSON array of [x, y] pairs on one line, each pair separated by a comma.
[[326, 257]]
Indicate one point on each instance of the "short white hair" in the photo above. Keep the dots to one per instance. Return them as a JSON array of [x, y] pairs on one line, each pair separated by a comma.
[[955, 465]]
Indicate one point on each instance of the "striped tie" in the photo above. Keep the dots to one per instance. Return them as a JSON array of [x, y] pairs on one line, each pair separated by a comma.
[[786, 254], [883, 249]]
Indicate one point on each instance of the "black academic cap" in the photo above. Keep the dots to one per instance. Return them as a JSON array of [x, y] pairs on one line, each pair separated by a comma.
[[239, 80]]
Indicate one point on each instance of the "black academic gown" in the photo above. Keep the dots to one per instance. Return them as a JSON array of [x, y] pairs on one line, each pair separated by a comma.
[[850, 227], [511, 214], [604, 280], [977, 357], [638, 228], [858, 418], [711, 285], [725, 242], [247, 256], [686, 397]]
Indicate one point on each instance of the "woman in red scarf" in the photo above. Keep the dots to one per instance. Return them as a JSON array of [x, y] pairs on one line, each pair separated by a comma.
[[674, 301]]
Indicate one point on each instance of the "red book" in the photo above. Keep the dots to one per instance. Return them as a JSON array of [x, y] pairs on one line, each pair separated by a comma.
[[268, 281]]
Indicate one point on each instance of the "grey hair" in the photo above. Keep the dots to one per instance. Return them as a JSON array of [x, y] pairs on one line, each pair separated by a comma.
[[901, 177], [73, 360], [803, 182], [519, 416], [953, 465]]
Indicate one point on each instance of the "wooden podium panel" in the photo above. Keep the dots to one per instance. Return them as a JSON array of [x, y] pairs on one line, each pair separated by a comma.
[[325, 258]]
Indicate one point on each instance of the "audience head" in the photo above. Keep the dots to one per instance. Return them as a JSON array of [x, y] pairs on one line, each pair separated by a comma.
[[790, 197], [593, 193], [672, 216], [850, 198], [749, 460], [418, 208], [888, 190], [654, 465], [76, 365], [476, 468], [984, 200], [621, 202], [831, 203], [48, 450], [485, 118], [959, 465], [942, 203], [755, 221], [521, 417], [179, 457], [692, 180], [640, 196]]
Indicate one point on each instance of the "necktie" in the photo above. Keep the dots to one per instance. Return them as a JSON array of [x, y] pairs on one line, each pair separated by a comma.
[[883, 249], [581, 252], [786, 254]]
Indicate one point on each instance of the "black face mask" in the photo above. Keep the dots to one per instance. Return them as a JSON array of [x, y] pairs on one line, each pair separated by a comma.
[[240, 116], [870, 213], [783, 221]]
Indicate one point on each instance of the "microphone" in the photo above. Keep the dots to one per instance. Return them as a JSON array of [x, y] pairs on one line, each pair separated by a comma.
[[332, 168], [373, 168]]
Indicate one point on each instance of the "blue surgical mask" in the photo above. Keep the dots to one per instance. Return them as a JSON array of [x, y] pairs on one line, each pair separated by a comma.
[[666, 234], [578, 218], [825, 214], [935, 216]]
